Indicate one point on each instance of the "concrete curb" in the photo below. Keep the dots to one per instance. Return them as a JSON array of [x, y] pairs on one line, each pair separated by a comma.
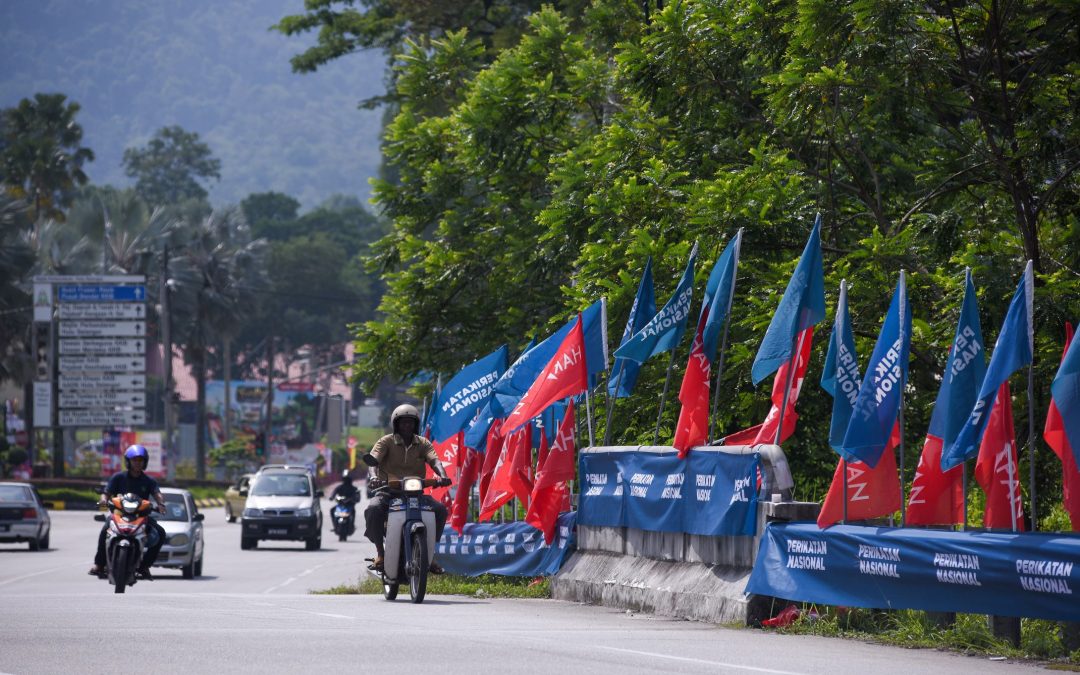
[[210, 502]]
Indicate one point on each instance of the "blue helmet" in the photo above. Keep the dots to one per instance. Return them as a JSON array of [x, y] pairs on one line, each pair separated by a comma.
[[135, 451]]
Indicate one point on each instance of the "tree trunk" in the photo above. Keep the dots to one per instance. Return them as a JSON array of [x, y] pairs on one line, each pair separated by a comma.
[[199, 365]]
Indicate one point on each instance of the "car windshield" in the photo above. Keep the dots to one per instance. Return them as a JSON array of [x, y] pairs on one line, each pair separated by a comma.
[[282, 485], [175, 508], [15, 493]]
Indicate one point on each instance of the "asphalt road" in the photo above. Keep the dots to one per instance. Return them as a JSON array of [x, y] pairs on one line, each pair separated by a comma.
[[253, 611]]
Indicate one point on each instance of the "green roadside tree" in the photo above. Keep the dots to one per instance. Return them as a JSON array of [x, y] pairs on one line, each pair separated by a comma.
[[172, 167]]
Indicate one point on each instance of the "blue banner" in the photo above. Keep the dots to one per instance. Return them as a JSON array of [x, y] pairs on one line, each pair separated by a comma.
[[466, 394], [708, 493], [509, 549], [1004, 574]]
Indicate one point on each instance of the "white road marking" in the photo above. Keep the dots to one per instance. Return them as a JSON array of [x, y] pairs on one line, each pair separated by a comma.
[[288, 581], [35, 574], [721, 664]]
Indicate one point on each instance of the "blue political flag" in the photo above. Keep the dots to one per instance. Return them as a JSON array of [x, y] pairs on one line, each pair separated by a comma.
[[1066, 393], [517, 380], [624, 372], [840, 376], [1012, 350], [878, 403], [719, 292], [466, 393], [663, 331], [802, 306], [964, 372]]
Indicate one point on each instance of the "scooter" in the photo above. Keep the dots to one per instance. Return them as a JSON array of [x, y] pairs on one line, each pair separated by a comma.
[[410, 537], [127, 538], [344, 513]]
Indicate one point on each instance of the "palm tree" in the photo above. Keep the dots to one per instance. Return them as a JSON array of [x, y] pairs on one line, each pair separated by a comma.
[[16, 263], [216, 277]]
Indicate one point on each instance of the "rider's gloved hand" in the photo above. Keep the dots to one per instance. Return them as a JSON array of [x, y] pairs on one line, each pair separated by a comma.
[[445, 482]]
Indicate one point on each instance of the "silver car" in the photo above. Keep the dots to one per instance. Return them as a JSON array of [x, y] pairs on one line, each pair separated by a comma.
[[23, 517], [183, 525]]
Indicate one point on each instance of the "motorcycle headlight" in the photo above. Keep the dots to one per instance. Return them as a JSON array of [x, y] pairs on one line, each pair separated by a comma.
[[412, 485], [303, 513], [252, 513], [179, 540], [129, 505]]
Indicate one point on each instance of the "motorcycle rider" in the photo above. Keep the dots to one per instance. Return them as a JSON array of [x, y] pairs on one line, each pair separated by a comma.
[[347, 490], [136, 481], [397, 455]]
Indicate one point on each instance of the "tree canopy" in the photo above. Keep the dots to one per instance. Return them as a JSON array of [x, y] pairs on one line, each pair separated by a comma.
[[172, 167]]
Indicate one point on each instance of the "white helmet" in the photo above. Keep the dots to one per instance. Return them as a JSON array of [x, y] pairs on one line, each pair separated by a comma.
[[405, 410]]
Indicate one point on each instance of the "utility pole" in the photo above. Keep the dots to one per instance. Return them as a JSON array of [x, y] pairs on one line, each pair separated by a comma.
[[269, 397], [166, 340]]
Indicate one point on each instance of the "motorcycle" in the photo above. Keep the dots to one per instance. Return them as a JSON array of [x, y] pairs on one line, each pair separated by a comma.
[[344, 520], [127, 538], [410, 537]]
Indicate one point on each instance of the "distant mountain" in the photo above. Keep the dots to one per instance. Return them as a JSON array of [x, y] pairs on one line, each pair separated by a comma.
[[214, 68]]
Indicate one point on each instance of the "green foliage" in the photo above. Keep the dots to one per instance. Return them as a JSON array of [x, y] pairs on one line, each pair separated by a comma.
[[168, 170], [233, 455], [41, 153], [483, 586]]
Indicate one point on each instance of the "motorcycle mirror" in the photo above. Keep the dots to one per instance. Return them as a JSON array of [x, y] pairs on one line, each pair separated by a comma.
[[369, 460], [100, 517]]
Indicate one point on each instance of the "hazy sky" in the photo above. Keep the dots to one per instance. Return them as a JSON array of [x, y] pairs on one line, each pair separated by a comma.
[[211, 67]]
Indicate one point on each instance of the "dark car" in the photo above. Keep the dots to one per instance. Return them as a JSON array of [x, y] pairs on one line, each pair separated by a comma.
[[282, 504]]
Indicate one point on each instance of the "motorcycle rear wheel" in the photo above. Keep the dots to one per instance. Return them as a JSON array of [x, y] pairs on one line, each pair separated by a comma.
[[419, 567], [121, 569]]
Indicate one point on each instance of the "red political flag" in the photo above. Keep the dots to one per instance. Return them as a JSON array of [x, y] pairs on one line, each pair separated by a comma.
[[550, 491], [693, 426], [448, 452], [766, 431], [996, 469], [542, 451], [871, 493], [521, 470], [1054, 434], [494, 448], [936, 498], [564, 375], [501, 489], [459, 512]]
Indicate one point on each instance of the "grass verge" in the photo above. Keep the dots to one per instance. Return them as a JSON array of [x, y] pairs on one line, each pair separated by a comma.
[[484, 586], [969, 634]]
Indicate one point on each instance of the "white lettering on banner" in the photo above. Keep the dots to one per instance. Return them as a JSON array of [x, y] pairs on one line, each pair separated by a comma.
[[1047, 568], [669, 315], [675, 479], [494, 548], [671, 493], [509, 539], [878, 569], [951, 566], [739, 491], [594, 491], [847, 373], [965, 349], [1044, 585], [879, 553], [471, 394], [596, 478], [853, 473], [642, 479], [704, 495], [813, 546], [638, 491], [806, 562], [508, 549], [703, 480]]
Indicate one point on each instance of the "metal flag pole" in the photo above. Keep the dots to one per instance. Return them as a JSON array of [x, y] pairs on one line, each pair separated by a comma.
[[663, 396], [900, 413], [793, 365], [1031, 440], [611, 398], [964, 480], [723, 340], [588, 415], [1012, 482], [844, 520]]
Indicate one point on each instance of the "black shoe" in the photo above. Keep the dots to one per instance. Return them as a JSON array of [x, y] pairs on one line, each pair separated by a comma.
[[99, 572], [435, 568], [144, 573]]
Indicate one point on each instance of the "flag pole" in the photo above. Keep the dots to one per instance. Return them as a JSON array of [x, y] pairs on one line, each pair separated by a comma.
[[900, 413], [611, 403], [663, 396], [797, 342], [1031, 440], [844, 520], [1012, 487], [588, 415], [964, 486], [723, 341]]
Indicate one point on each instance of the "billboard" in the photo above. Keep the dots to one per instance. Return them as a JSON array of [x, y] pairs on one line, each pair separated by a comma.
[[291, 426]]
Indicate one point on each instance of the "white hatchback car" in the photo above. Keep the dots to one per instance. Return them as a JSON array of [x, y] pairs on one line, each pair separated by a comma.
[[183, 525], [23, 516]]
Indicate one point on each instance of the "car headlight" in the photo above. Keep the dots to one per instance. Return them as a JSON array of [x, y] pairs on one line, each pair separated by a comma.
[[412, 485], [303, 513], [179, 540], [252, 513]]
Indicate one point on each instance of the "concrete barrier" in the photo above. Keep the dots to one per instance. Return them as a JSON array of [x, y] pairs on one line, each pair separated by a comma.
[[694, 577]]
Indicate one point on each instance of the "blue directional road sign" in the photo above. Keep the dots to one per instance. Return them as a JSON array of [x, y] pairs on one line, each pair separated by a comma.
[[101, 293]]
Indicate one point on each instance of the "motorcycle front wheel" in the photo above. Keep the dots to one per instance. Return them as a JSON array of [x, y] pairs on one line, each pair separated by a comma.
[[389, 590], [419, 567], [121, 568]]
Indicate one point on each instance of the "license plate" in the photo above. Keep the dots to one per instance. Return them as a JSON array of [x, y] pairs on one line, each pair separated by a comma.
[[277, 530]]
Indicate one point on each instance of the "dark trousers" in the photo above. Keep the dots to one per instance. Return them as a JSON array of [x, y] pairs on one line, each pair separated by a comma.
[[379, 506], [149, 556]]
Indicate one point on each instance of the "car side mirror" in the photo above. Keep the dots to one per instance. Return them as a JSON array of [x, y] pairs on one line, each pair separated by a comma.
[[243, 492], [100, 517], [319, 493], [199, 517]]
